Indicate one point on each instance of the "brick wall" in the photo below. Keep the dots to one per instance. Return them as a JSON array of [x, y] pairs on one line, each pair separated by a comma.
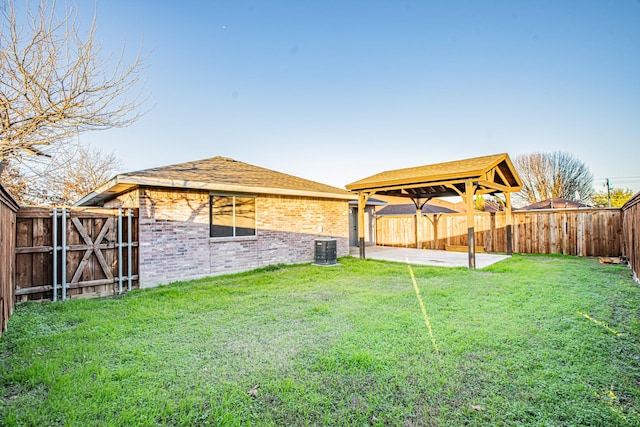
[[289, 225], [130, 199], [175, 243]]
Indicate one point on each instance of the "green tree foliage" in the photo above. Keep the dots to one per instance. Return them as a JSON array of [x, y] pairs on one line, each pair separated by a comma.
[[617, 197]]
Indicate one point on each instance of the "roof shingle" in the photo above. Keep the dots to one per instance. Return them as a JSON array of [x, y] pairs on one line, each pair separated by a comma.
[[224, 170], [465, 168], [216, 174], [410, 209]]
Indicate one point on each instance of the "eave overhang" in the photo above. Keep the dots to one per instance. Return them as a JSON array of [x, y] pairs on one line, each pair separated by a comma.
[[124, 183]]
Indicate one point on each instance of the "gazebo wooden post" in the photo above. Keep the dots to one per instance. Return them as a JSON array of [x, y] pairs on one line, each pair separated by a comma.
[[469, 191], [509, 222], [362, 203], [436, 217], [418, 225], [434, 226], [419, 205]]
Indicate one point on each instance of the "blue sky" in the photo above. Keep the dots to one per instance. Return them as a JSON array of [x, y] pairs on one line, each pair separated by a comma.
[[335, 91]]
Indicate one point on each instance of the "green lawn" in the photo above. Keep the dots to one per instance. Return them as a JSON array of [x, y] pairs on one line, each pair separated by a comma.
[[534, 340]]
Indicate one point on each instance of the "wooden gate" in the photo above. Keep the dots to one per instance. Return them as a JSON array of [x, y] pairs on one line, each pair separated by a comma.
[[75, 252]]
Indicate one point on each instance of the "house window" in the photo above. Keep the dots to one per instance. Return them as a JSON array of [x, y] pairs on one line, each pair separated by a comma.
[[232, 216]]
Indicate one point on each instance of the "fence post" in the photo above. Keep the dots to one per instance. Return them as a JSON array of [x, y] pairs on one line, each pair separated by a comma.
[[64, 254], [119, 250], [54, 230], [129, 248]]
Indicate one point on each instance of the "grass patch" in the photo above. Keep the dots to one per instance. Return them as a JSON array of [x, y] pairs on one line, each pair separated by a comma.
[[533, 340]]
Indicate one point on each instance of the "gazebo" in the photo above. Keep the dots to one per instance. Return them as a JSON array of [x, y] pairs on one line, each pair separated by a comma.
[[465, 178]]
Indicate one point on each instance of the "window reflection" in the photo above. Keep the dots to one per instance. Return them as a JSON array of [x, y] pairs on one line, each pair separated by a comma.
[[233, 216]]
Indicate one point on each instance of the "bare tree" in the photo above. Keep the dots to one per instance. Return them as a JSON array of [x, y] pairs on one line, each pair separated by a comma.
[[54, 83], [63, 180], [555, 174], [13, 180], [83, 172]]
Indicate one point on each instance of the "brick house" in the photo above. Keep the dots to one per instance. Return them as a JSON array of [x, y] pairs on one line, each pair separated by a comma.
[[219, 215]]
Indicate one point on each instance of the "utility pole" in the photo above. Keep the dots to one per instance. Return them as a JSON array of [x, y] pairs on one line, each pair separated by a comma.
[[608, 194]]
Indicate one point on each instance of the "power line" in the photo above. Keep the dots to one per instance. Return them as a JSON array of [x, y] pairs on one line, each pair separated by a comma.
[[620, 178], [628, 183], [618, 182]]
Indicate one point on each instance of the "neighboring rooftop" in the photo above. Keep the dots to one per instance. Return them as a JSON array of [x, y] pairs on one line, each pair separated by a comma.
[[410, 209], [554, 203], [489, 206], [215, 174], [371, 202]]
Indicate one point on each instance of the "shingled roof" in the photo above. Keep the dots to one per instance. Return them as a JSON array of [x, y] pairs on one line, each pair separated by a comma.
[[554, 203], [410, 209], [495, 172], [215, 174]]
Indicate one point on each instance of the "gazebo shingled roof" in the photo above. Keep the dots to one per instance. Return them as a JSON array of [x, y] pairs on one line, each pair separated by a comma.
[[494, 174]]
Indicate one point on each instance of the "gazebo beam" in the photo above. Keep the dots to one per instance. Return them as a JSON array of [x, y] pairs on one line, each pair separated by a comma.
[[493, 186], [419, 205], [419, 184], [434, 224], [501, 175]]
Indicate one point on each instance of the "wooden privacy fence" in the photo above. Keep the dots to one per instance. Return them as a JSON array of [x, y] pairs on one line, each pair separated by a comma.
[[75, 252], [8, 209], [631, 230], [582, 232]]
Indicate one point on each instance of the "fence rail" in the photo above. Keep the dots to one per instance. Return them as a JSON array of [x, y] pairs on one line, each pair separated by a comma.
[[582, 232], [75, 252]]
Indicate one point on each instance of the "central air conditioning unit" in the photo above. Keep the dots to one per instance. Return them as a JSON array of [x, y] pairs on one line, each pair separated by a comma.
[[325, 252]]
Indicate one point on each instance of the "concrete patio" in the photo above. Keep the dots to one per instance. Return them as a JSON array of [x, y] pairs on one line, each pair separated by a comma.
[[427, 256]]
